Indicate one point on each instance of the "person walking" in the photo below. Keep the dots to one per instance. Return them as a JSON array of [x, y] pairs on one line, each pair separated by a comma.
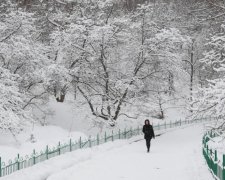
[[148, 133]]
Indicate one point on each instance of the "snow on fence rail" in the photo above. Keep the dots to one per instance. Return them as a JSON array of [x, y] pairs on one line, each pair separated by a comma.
[[216, 165], [36, 157]]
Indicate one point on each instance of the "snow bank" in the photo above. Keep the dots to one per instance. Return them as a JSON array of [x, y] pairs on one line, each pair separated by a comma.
[[43, 135]]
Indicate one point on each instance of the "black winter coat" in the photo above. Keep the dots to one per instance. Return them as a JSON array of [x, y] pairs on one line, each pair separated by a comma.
[[148, 131]]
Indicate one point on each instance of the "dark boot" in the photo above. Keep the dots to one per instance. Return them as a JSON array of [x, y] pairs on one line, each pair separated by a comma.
[[148, 144]]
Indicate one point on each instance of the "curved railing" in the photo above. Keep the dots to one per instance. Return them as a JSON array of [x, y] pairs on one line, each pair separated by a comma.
[[215, 164]]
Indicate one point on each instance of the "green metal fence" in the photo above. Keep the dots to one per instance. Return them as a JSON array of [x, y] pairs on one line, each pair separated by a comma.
[[36, 157], [215, 164]]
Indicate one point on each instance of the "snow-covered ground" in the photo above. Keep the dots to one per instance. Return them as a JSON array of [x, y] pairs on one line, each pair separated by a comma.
[[218, 142], [43, 135], [175, 155], [73, 119]]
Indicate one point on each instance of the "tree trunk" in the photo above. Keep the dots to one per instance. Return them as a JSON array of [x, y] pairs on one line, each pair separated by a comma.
[[61, 98], [192, 75], [171, 83]]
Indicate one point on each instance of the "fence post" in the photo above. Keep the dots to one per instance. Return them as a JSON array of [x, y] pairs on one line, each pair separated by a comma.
[[112, 136], [131, 133], [223, 166], [97, 139], [216, 155], [119, 133], [211, 160], [105, 137], [216, 163], [18, 161], [59, 148], [89, 141], [34, 160], [80, 142], [70, 144], [46, 152], [0, 167]]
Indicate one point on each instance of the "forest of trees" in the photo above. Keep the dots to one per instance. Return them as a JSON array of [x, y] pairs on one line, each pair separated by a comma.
[[110, 52]]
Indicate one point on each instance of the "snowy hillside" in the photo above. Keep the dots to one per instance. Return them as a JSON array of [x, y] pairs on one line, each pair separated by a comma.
[[69, 120]]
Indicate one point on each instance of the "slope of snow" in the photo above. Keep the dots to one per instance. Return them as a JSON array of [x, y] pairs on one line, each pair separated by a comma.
[[43, 135], [175, 155], [67, 120]]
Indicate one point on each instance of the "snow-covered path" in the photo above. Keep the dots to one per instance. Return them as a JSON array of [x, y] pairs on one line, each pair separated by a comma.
[[175, 155]]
